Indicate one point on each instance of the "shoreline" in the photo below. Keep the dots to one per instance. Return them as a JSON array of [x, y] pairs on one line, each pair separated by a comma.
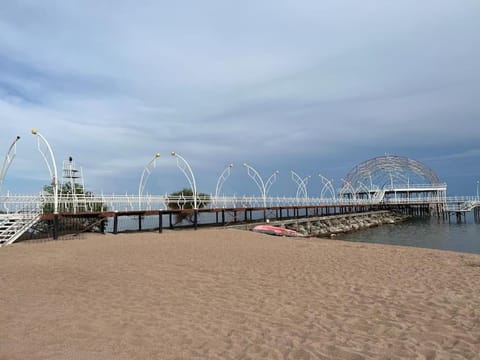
[[226, 293]]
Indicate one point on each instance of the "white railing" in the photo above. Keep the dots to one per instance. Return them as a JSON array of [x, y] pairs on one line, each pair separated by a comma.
[[442, 186], [17, 203], [21, 203], [361, 188]]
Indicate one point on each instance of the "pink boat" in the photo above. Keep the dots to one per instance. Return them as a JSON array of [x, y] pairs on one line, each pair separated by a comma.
[[275, 230]]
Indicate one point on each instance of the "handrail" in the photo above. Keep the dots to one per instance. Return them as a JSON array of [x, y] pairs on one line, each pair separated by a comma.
[[128, 202]]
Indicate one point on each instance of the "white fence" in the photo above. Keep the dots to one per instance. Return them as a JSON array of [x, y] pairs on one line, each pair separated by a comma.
[[22, 203]]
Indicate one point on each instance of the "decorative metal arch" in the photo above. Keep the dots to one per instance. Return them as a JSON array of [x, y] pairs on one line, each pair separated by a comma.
[[391, 171], [11, 153], [327, 187]]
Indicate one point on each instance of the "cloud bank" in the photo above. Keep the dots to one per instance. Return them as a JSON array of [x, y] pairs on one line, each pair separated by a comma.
[[315, 87]]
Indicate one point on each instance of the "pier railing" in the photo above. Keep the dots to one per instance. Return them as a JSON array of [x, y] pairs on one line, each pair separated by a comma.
[[99, 203], [19, 212]]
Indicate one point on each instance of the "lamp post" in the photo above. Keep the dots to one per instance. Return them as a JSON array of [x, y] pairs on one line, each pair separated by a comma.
[[187, 171], [301, 184], [10, 155], [145, 174], [221, 179], [264, 187], [348, 186], [478, 181], [51, 165], [361, 186], [327, 186]]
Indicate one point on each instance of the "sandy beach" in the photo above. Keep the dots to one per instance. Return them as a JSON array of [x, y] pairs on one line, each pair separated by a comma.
[[233, 294]]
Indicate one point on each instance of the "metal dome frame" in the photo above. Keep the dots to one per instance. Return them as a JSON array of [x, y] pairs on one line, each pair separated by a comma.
[[390, 171]]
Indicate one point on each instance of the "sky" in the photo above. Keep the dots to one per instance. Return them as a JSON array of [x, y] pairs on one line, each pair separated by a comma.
[[314, 87]]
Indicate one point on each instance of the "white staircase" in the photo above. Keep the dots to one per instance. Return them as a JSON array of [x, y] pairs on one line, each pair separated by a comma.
[[378, 195], [464, 206], [13, 226]]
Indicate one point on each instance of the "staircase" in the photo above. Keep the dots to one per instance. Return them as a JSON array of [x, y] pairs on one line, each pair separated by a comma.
[[465, 206], [378, 195], [14, 225]]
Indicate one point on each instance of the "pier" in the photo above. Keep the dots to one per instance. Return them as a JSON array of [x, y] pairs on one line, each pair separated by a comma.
[[388, 183], [122, 213]]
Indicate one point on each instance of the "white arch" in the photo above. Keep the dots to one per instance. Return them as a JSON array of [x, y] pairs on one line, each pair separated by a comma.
[[327, 187]]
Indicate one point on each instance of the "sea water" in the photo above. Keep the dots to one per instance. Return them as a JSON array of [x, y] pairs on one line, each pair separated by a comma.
[[425, 232]]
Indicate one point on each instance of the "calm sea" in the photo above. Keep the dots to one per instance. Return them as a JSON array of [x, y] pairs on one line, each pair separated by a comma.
[[431, 233]]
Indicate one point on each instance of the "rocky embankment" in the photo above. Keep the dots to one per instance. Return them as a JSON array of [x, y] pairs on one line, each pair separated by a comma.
[[335, 224]]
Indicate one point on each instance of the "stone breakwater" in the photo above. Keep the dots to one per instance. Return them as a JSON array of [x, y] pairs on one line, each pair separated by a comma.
[[328, 226], [335, 224]]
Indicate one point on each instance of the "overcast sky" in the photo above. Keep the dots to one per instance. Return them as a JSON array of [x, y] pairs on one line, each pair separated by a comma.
[[310, 86]]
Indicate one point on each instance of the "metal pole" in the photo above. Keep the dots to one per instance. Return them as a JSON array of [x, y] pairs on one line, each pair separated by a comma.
[[221, 179], [145, 174], [327, 186], [187, 171], [349, 186], [8, 160], [263, 187], [55, 174], [270, 181], [301, 184], [367, 190]]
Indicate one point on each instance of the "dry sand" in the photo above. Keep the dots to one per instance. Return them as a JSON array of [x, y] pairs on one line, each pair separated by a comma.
[[232, 294]]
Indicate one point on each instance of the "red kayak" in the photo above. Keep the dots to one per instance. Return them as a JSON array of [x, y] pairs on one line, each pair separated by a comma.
[[275, 230]]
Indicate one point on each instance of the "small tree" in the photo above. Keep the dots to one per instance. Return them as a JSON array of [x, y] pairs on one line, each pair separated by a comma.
[[72, 199], [183, 199], [69, 192]]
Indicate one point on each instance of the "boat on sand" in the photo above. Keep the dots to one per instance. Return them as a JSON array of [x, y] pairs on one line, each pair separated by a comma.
[[276, 230]]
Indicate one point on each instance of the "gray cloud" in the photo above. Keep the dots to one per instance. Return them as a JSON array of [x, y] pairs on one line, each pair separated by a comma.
[[315, 87]]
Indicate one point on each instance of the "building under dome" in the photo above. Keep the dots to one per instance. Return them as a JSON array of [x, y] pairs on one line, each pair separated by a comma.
[[387, 177]]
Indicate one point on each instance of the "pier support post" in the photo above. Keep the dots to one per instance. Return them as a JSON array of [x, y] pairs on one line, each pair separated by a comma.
[[115, 223], [103, 223], [55, 226], [459, 217], [160, 221]]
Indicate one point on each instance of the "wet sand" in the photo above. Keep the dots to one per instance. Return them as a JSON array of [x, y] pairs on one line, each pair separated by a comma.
[[233, 294]]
